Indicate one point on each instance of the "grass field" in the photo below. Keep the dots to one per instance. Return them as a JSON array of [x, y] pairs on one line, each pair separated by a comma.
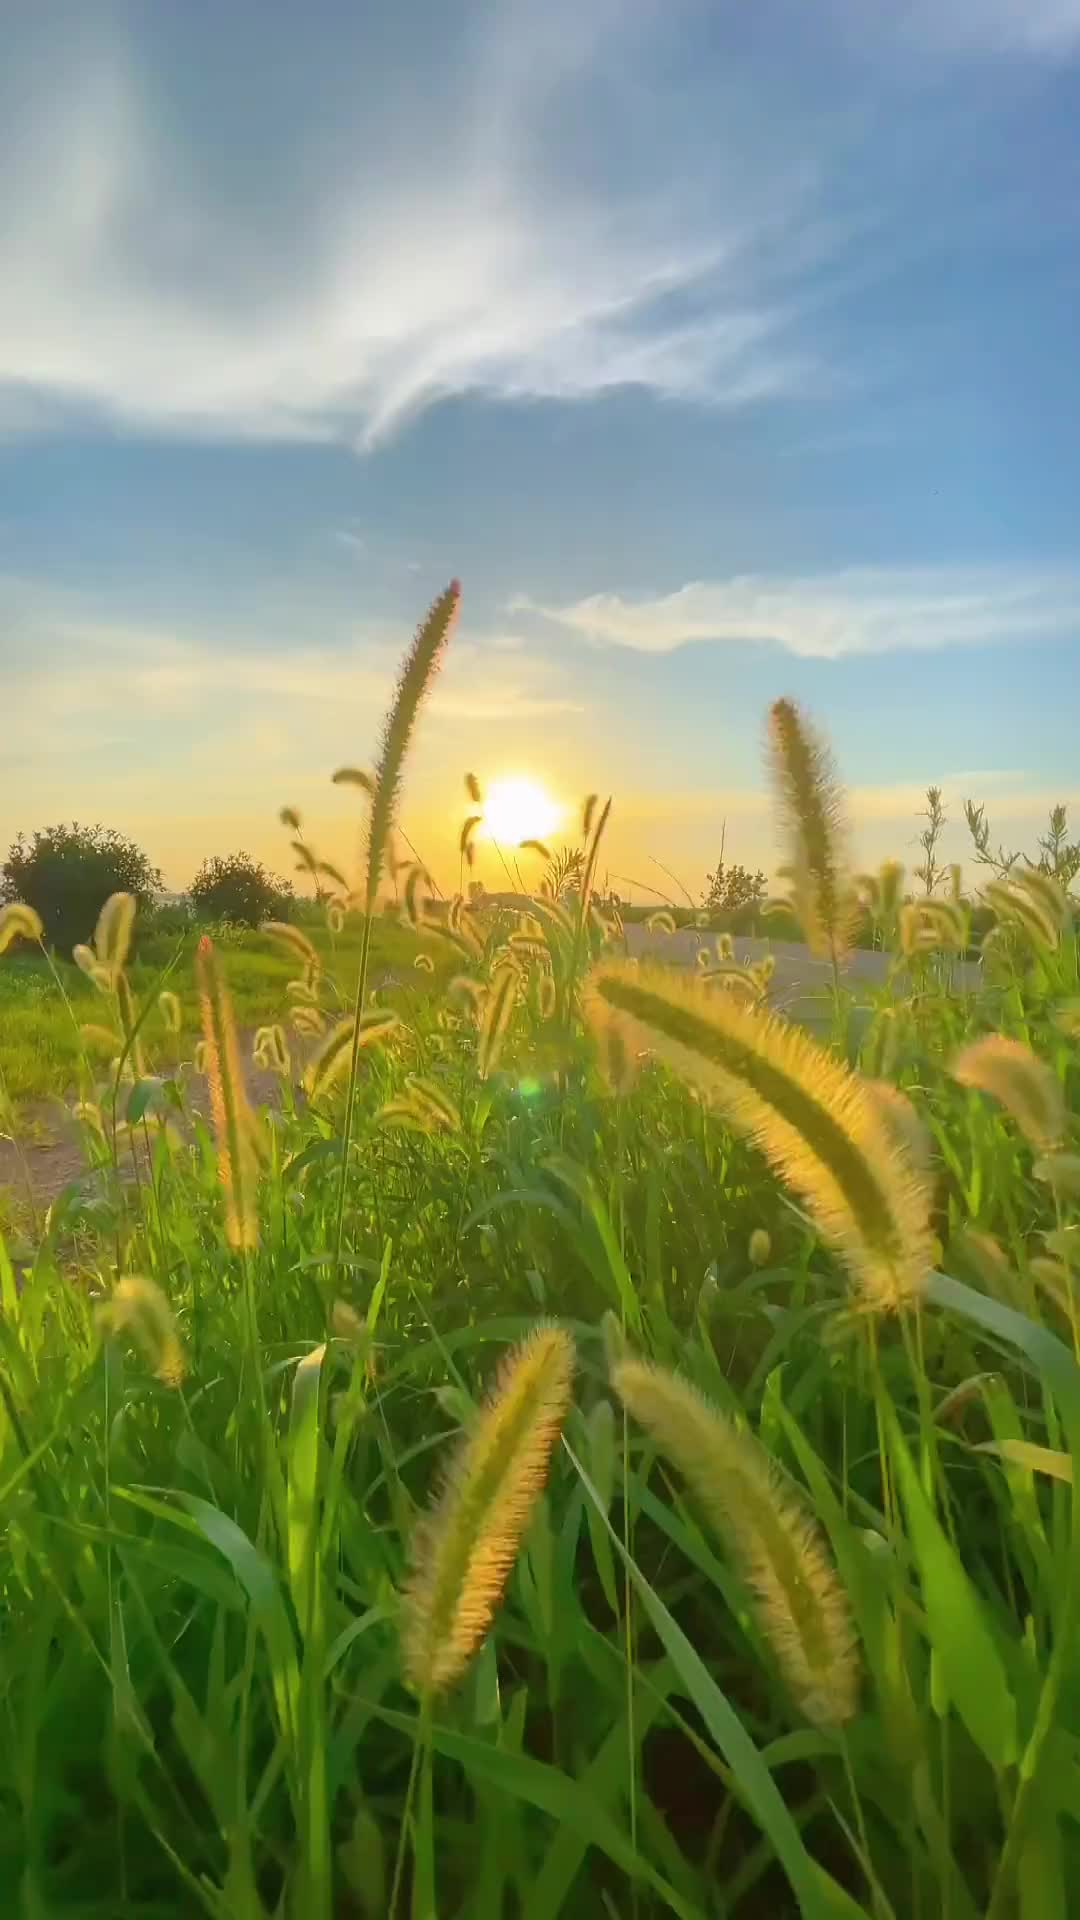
[[592, 1450], [42, 1053]]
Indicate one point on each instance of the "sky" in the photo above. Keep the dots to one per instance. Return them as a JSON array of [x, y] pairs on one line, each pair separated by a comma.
[[722, 351]]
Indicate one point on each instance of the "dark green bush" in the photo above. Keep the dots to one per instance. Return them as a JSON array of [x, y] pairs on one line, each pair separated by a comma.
[[236, 888], [66, 873]]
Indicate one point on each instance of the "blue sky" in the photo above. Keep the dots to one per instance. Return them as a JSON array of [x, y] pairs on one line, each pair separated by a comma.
[[722, 351]]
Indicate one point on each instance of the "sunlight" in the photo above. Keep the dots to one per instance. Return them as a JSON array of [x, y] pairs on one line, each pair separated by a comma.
[[519, 809]]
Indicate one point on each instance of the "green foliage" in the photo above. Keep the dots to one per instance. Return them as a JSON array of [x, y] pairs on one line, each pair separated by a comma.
[[731, 890], [1057, 855], [217, 1463], [68, 872], [236, 889]]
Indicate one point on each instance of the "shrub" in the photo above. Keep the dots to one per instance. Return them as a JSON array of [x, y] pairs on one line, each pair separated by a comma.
[[236, 888], [730, 890], [68, 872]]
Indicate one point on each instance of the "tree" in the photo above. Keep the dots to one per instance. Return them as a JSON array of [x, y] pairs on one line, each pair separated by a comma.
[[731, 890], [235, 887], [68, 872]]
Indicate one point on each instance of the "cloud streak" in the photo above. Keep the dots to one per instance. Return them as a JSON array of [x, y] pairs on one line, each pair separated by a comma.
[[830, 616], [429, 246]]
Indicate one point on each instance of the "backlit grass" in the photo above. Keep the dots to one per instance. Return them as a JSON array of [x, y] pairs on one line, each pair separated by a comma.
[[742, 1589]]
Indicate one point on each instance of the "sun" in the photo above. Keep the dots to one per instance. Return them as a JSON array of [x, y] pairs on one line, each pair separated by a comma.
[[517, 809]]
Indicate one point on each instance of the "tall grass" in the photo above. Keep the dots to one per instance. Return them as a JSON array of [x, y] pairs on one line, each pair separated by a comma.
[[766, 1607]]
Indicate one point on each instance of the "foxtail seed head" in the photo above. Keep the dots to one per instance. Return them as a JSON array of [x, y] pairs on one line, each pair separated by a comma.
[[811, 1116], [112, 936], [234, 1122], [418, 673], [1024, 1085], [464, 1549], [19, 922], [139, 1307], [812, 808], [800, 1605], [331, 1061]]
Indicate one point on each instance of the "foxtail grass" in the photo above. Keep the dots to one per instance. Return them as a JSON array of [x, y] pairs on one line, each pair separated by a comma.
[[234, 1122], [139, 1308], [811, 1116], [19, 922], [812, 809], [294, 938], [112, 935], [495, 1019], [417, 677], [463, 1550], [799, 1603], [418, 673], [331, 1060], [1019, 1081]]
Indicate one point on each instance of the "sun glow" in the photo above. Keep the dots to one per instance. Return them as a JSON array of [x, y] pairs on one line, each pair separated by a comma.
[[518, 809]]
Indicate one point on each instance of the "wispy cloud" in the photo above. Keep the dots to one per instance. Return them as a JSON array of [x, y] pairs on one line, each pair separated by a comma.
[[828, 616], [440, 239]]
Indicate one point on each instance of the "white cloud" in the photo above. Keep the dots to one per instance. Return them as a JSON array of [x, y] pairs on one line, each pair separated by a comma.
[[827, 616], [461, 253]]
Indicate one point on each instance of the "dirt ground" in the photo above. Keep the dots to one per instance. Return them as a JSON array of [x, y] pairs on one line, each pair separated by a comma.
[[48, 1151]]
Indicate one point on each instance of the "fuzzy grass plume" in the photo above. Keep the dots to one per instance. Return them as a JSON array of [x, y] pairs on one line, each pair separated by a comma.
[[1023, 1084], [234, 1122], [811, 1116], [332, 1059], [139, 1308], [417, 675], [812, 807], [171, 1011], [112, 935], [464, 1548], [286, 935], [495, 1019], [801, 1608], [19, 922]]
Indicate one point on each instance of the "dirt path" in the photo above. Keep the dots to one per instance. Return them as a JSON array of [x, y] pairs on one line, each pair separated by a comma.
[[801, 984], [49, 1153]]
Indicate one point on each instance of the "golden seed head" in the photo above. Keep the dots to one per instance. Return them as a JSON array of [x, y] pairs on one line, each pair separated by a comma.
[[138, 1306], [234, 1122], [19, 922], [810, 1115], [463, 1550], [801, 1607], [1023, 1084], [112, 936]]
